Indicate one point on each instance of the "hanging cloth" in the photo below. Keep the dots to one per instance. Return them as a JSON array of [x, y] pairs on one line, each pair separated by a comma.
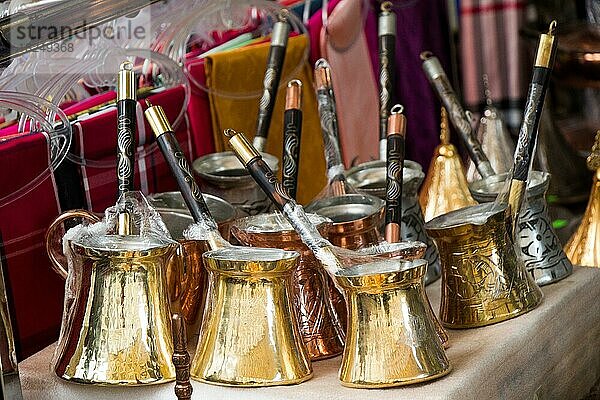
[[240, 72]]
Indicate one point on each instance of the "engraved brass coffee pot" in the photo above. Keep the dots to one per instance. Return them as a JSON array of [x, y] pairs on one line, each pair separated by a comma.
[[483, 279], [116, 325], [392, 339], [249, 335], [541, 250]]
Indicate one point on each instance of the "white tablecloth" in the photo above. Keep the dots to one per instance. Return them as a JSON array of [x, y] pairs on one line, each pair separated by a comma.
[[552, 352]]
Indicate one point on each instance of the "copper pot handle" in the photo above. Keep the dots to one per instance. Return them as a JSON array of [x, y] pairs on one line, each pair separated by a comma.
[[53, 252]]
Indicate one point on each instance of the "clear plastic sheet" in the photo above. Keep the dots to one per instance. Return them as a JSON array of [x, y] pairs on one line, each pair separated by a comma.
[[197, 25]]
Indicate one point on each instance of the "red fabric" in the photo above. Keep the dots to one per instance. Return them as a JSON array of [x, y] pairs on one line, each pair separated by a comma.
[[199, 110], [36, 290], [95, 141]]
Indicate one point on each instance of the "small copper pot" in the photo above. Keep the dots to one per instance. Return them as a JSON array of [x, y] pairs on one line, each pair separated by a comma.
[[320, 308], [356, 219]]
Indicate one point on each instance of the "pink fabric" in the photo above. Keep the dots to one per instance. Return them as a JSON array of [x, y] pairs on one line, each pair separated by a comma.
[[314, 26], [490, 45], [344, 45]]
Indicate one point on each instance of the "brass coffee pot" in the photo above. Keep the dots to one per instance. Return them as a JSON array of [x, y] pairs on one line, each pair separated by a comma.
[[583, 247], [116, 325], [445, 188], [540, 248], [483, 279], [319, 306], [250, 335], [391, 338]]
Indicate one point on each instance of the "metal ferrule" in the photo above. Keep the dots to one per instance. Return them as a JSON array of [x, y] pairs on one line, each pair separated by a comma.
[[293, 95], [124, 224], [392, 233], [242, 147], [321, 78], [126, 84], [387, 22], [396, 123], [158, 120], [545, 49], [279, 36], [431, 65]]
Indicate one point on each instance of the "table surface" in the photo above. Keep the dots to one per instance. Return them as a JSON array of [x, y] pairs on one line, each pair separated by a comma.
[[552, 352]]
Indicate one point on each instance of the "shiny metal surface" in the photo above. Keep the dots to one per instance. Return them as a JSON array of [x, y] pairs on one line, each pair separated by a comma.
[[483, 280], [369, 178], [391, 339], [357, 219], [222, 175], [320, 308], [445, 188], [408, 251], [541, 250], [250, 334], [584, 246], [116, 324]]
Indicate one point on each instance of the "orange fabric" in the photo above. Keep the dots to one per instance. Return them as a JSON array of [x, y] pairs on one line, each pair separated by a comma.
[[241, 71]]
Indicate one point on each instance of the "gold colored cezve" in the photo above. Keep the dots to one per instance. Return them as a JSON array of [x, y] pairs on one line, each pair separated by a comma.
[[483, 280], [445, 188], [320, 308], [116, 326], [584, 246], [391, 339], [250, 336]]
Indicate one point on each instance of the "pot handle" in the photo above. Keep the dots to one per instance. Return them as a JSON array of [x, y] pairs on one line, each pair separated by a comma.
[[55, 252]]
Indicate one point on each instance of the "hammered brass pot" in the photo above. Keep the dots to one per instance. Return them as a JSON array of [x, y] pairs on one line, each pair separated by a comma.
[[391, 339], [249, 335], [319, 306], [116, 327], [483, 280]]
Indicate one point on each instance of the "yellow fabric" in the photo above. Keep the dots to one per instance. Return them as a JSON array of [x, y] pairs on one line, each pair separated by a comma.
[[241, 71]]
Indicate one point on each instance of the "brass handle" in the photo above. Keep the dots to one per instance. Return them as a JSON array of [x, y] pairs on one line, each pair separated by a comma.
[[55, 253]]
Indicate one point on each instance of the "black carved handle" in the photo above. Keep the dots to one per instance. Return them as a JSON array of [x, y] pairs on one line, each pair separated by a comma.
[[126, 127], [387, 53], [292, 120], [531, 122], [182, 172], [266, 179], [395, 164], [270, 85]]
